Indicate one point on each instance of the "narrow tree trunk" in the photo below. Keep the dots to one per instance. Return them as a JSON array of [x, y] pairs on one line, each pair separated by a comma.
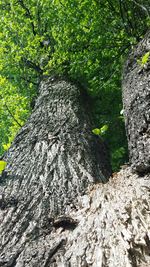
[[136, 99]]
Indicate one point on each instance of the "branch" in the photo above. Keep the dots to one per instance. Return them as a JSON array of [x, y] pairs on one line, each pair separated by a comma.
[[129, 21], [142, 7], [38, 17], [122, 15], [29, 81], [32, 65], [12, 115], [28, 14], [125, 18]]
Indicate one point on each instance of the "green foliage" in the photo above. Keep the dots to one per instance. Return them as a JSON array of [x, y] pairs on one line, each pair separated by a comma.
[[6, 146], [84, 40], [100, 131], [2, 165], [144, 60], [117, 157], [96, 131], [14, 110]]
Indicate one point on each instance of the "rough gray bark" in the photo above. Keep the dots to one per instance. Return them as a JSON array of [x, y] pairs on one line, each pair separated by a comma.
[[109, 227], [56, 152], [53, 159], [136, 99]]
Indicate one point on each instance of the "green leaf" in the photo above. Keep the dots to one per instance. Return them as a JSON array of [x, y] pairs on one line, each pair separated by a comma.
[[145, 58], [100, 131], [2, 165], [122, 112], [6, 146], [96, 131], [103, 129]]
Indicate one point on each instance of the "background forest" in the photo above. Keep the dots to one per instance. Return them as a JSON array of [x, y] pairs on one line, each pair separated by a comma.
[[85, 41]]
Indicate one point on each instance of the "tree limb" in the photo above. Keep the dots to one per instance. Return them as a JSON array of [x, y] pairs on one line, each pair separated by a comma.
[[12, 115], [142, 7], [28, 14], [32, 65]]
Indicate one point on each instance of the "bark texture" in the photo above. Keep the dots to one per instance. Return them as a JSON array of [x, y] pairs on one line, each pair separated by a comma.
[[109, 227], [136, 99], [55, 155], [53, 159]]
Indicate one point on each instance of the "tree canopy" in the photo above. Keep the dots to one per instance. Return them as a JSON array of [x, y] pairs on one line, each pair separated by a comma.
[[86, 41]]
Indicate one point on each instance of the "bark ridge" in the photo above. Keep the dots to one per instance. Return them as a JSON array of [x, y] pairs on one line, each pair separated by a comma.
[[136, 99]]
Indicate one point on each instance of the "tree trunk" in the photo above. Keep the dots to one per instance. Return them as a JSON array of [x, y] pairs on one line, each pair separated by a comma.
[[56, 152], [136, 99], [49, 215], [53, 159]]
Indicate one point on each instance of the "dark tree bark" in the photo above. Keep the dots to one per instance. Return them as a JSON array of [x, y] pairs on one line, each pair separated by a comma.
[[56, 152], [53, 159], [136, 99]]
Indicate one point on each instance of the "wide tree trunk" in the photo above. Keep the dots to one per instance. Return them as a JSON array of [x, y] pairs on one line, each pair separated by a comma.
[[49, 215], [53, 159], [56, 152]]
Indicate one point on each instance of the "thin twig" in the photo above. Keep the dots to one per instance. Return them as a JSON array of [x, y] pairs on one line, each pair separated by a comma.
[[32, 65], [12, 115]]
